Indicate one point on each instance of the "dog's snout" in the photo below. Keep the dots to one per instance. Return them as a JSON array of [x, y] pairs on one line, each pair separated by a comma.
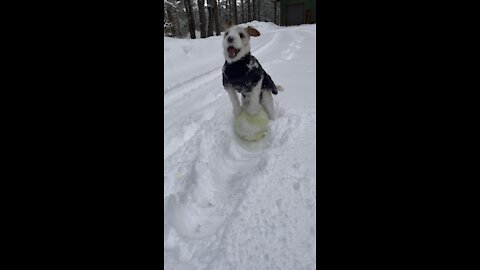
[[230, 39]]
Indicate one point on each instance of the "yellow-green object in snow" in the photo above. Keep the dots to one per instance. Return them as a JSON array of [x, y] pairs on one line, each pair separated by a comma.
[[251, 127]]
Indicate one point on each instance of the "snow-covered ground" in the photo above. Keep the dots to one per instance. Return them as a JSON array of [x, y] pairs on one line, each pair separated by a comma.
[[232, 204]]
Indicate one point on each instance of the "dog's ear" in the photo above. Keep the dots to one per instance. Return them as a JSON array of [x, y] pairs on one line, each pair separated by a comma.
[[227, 25], [252, 31]]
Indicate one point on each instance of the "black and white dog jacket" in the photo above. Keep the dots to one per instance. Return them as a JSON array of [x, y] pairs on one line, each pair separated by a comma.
[[244, 74]]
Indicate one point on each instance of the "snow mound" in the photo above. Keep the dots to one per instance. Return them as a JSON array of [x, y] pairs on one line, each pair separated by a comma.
[[262, 26]]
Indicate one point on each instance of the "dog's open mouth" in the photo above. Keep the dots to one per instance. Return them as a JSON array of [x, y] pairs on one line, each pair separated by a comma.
[[232, 52]]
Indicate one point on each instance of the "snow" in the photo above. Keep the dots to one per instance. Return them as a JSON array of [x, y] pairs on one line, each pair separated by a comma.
[[229, 203]]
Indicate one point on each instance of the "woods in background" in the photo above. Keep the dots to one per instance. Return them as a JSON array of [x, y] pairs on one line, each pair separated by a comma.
[[183, 18]]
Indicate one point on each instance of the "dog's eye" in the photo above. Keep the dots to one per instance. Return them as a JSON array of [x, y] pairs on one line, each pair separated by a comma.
[[226, 33], [241, 35]]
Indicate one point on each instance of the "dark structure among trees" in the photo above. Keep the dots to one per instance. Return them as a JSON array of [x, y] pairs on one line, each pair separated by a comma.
[[296, 12]]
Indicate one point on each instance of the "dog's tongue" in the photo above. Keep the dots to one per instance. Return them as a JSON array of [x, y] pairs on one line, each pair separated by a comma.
[[231, 52]]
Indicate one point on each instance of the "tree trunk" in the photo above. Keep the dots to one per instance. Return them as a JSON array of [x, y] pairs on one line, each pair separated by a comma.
[[202, 16], [220, 11], [233, 4], [227, 10], [254, 10], [275, 16], [243, 11], [191, 21], [249, 10], [217, 18], [210, 18], [258, 10]]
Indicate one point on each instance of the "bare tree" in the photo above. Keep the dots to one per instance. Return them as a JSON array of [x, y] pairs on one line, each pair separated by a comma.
[[249, 11], [210, 18], [233, 4], [202, 16], [191, 21], [217, 18], [254, 10], [275, 16], [220, 10], [243, 11], [227, 10]]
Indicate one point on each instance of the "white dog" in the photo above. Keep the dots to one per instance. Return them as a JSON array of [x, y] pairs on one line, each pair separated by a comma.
[[243, 73]]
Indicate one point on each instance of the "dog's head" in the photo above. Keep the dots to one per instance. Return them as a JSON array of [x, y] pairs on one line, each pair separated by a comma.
[[236, 42]]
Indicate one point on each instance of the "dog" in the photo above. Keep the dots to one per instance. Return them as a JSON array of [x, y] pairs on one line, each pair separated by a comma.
[[243, 73]]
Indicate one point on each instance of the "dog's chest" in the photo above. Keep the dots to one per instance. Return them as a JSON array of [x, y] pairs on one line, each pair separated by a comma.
[[242, 75]]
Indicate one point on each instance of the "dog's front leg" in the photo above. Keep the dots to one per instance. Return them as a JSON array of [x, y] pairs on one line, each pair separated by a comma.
[[254, 99], [267, 103], [235, 102]]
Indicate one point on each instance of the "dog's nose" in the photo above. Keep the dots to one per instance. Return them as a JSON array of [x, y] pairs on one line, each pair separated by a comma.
[[230, 39]]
